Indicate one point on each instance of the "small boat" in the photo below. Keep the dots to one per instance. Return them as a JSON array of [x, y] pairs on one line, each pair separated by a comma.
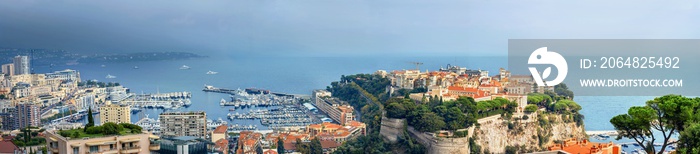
[[135, 110], [110, 76], [136, 67], [103, 66], [212, 72], [184, 67], [232, 109]]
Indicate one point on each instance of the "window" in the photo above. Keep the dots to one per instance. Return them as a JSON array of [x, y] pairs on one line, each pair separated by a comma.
[[76, 150], [94, 149]]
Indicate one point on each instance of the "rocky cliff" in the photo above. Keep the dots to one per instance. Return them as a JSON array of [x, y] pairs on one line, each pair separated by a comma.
[[391, 129], [536, 134]]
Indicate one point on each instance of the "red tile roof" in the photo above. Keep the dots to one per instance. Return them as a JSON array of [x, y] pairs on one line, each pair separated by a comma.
[[8, 147], [270, 152], [220, 129], [329, 144], [222, 144], [585, 147]]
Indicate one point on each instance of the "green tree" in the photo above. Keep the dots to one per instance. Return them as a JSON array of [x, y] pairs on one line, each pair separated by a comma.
[[429, 122], [91, 120], [75, 134], [563, 90], [111, 128], [301, 147], [280, 146], [27, 135], [511, 150], [636, 124], [530, 108], [316, 147], [395, 110], [690, 139], [665, 115]]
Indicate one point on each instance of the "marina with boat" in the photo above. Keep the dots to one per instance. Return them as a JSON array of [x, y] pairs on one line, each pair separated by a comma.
[[173, 100], [287, 116]]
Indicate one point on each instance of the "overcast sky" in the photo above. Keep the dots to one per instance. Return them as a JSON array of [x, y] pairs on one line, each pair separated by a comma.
[[333, 27]]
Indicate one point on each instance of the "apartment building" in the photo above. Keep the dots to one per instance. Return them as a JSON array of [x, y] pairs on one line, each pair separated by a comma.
[[115, 113], [141, 143], [27, 114], [184, 124], [336, 109]]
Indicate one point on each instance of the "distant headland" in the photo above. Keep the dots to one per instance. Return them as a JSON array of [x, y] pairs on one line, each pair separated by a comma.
[[52, 57]]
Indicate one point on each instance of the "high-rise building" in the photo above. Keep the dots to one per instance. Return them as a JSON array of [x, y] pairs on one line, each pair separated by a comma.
[[8, 69], [183, 124], [21, 64], [115, 113], [27, 114], [8, 118]]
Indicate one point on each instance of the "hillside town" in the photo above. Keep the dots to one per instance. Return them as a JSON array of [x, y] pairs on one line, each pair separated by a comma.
[[53, 113], [53, 109]]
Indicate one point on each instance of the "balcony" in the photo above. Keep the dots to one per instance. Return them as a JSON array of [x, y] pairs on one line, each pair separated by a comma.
[[105, 151], [154, 147], [54, 150], [131, 149]]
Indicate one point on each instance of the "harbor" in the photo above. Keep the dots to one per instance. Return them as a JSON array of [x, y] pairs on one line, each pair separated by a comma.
[[278, 118], [173, 100], [209, 88]]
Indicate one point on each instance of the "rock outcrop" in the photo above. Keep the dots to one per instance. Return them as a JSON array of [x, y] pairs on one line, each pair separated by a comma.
[[495, 134], [391, 129]]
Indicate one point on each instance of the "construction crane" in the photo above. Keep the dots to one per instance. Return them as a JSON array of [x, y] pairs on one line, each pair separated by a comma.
[[417, 65]]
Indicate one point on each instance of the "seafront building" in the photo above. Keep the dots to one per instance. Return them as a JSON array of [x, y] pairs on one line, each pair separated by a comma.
[[8, 69], [184, 124], [336, 109], [115, 113], [317, 94], [586, 147], [219, 133], [64, 75], [141, 143], [21, 64]]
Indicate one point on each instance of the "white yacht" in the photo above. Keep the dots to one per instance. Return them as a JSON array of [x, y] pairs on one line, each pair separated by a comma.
[[212, 72], [110, 76], [184, 67]]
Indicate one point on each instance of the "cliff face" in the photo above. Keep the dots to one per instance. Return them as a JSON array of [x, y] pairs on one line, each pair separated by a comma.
[[495, 134], [391, 129], [437, 145]]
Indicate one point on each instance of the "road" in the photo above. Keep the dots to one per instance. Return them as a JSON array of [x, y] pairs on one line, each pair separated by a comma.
[[48, 108]]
